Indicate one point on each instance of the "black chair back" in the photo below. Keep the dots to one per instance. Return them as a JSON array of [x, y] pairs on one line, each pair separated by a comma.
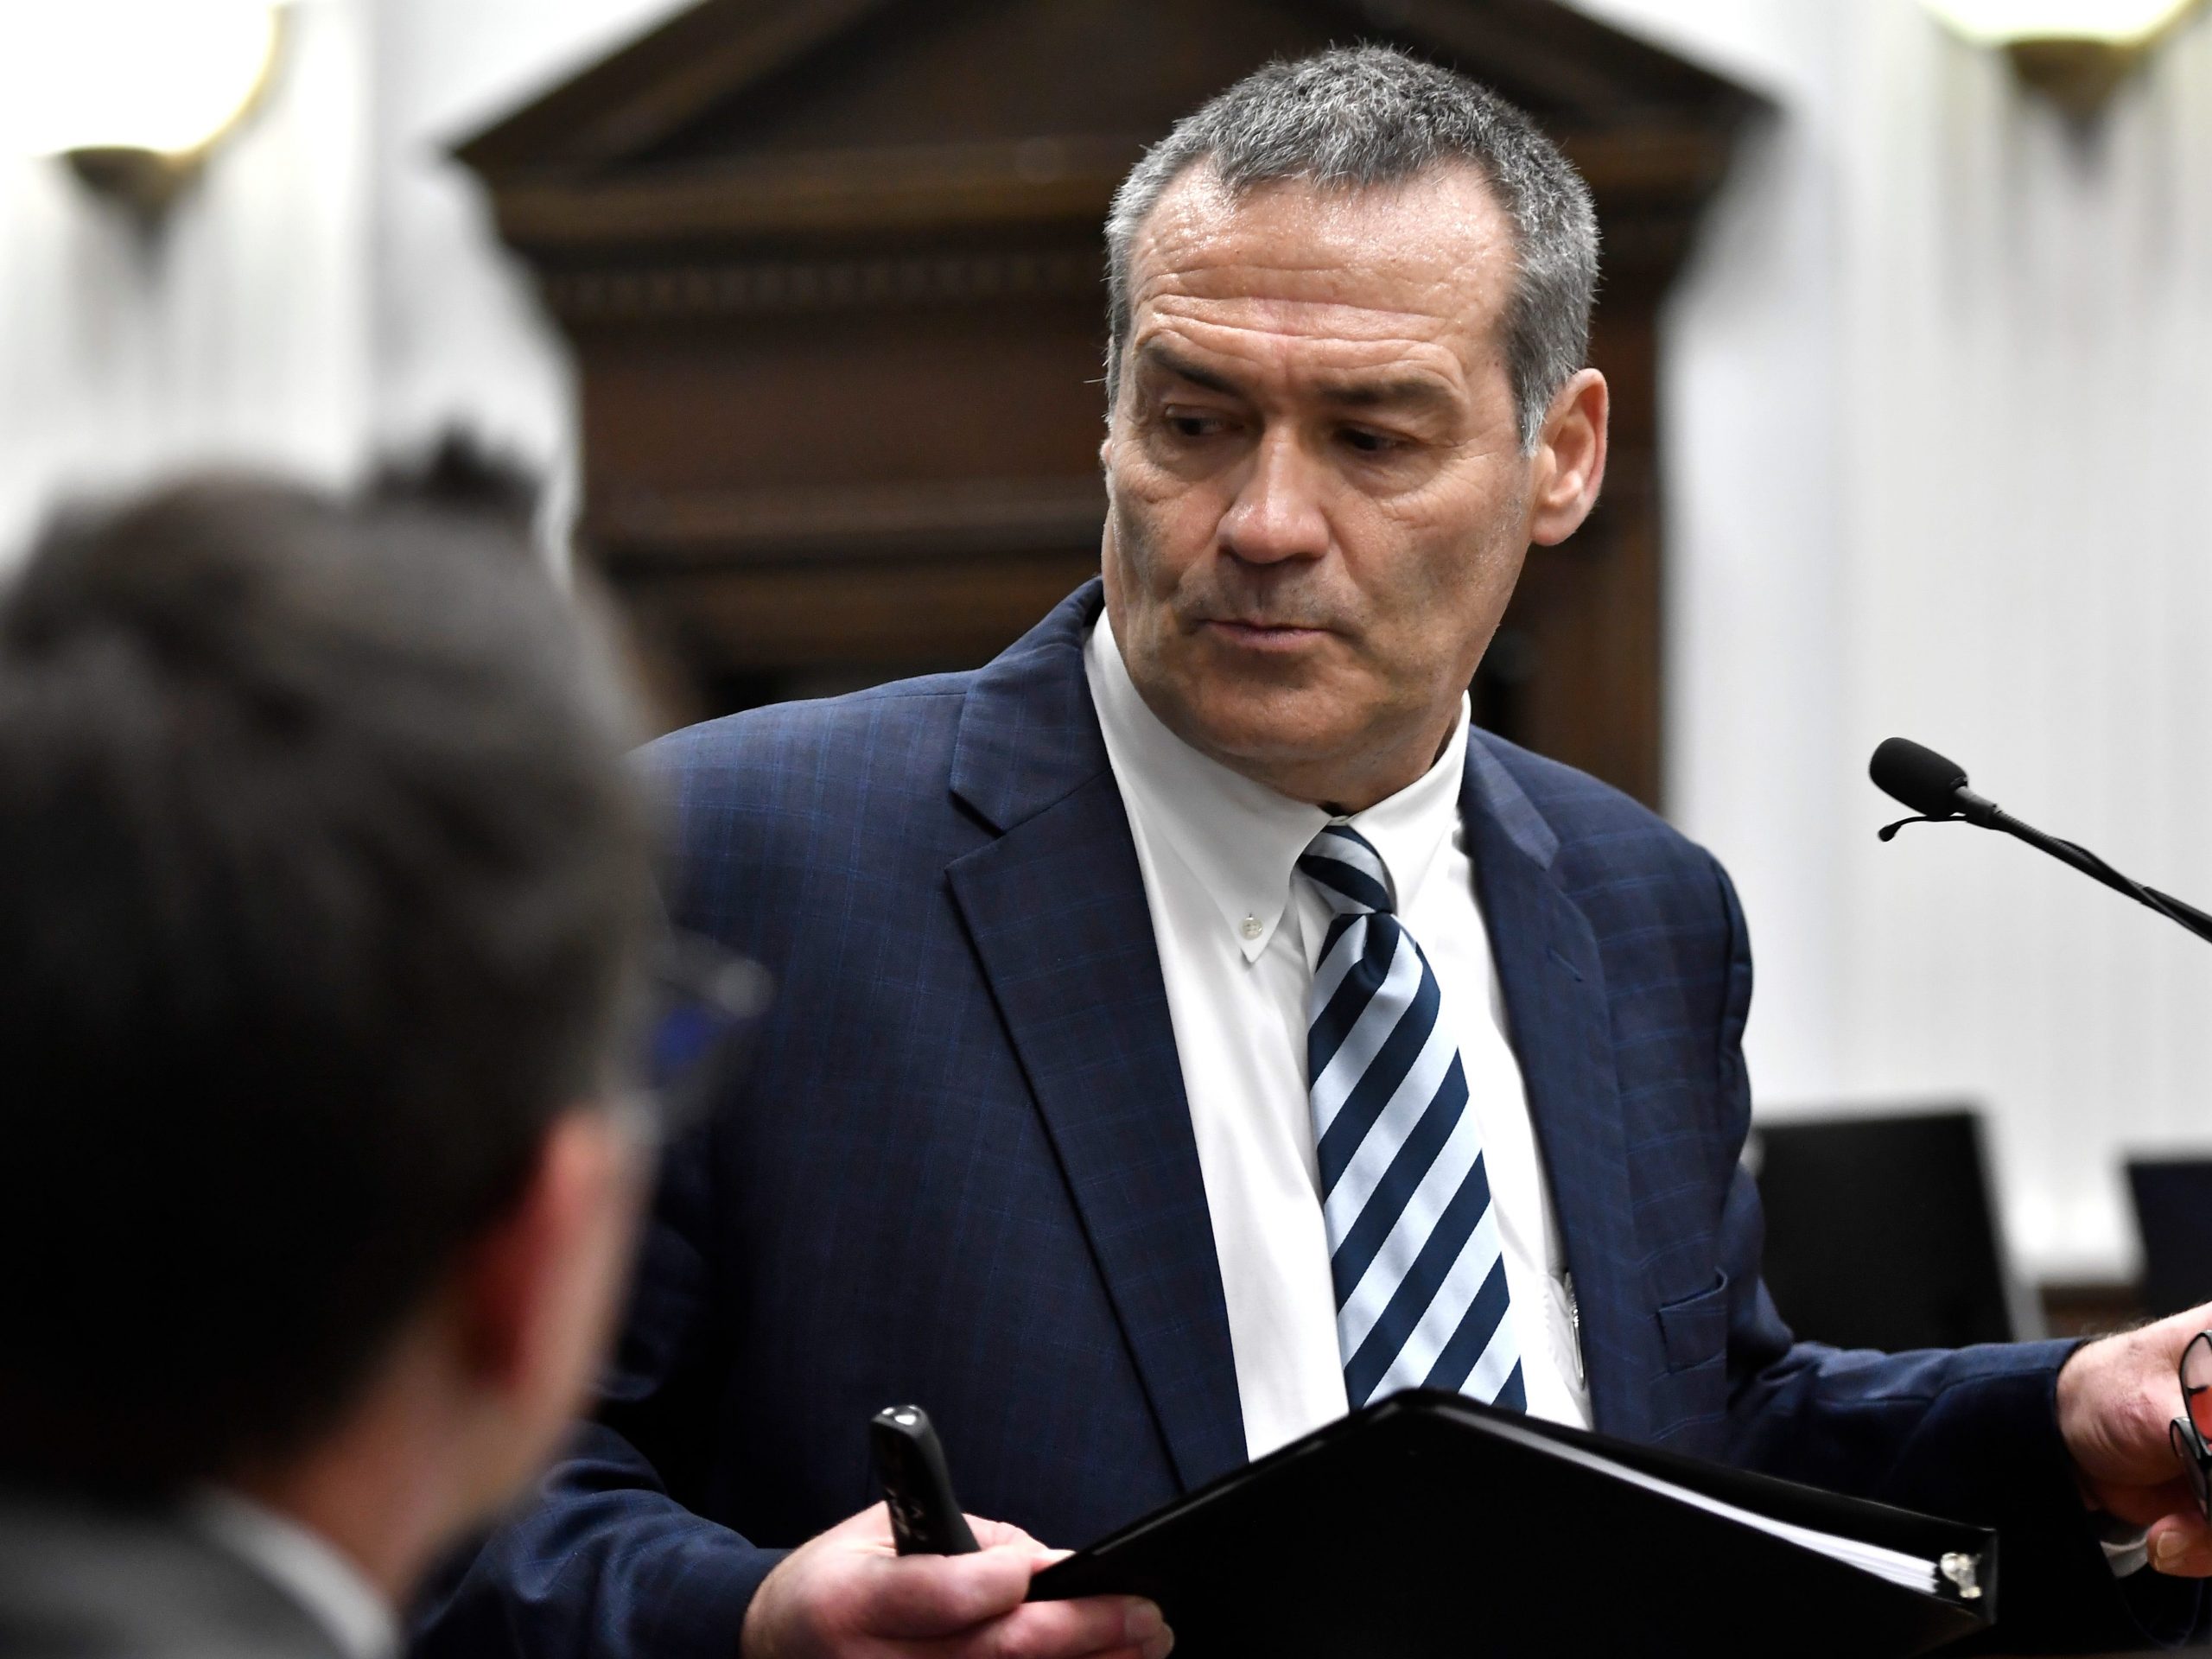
[[2173, 1211], [1881, 1231]]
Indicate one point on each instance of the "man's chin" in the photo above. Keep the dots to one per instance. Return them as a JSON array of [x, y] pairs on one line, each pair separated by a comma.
[[1265, 744]]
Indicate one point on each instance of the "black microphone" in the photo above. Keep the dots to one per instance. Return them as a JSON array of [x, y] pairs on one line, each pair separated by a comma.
[[1935, 788], [1930, 784]]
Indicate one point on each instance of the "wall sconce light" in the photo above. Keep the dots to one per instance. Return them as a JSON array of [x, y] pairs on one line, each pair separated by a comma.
[[134, 94], [2075, 52]]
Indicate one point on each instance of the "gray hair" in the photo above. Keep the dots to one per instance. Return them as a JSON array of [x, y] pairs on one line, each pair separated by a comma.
[[1359, 117]]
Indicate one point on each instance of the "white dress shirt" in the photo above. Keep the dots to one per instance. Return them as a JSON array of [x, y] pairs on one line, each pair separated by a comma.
[[325, 1584], [1239, 933]]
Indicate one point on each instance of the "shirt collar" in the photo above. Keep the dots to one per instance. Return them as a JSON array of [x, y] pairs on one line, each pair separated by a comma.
[[330, 1587], [1240, 838]]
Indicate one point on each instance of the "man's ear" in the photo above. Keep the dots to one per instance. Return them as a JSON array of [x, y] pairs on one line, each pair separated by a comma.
[[1569, 463], [535, 1294]]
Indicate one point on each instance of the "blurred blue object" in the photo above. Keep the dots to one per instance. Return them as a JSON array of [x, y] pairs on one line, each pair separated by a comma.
[[706, 1004]]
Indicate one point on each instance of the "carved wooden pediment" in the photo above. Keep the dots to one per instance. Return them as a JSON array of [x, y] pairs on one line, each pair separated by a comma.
[[833, 272], [741, 119]]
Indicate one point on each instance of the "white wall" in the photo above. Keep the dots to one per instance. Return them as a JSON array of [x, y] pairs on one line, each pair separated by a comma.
[[459, 335], [1940, 443], [329, 288], [237, 333], [1937, 463]]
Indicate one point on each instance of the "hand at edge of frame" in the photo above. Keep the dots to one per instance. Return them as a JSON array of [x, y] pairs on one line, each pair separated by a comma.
[[2116, 1396]]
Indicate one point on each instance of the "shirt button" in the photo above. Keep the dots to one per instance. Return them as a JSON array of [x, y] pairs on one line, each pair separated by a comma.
[[1251, 929]]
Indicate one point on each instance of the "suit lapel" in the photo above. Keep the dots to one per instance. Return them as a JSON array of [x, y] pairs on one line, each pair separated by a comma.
[[1055, 907], [1556, 1009]]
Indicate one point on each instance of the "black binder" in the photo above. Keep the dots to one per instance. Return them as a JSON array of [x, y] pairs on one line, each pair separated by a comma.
[[1427, 1525]]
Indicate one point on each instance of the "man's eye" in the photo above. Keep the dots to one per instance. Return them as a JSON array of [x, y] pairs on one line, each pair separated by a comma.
[[1367, 443], [1186, 424]]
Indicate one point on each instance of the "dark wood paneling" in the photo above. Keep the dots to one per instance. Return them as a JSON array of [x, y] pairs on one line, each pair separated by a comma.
[[920, 393], [2091, 1307], [988, 71], [901, 613]]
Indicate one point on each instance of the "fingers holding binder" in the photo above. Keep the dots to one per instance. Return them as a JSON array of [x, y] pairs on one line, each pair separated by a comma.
[[2136, 1411], [847, 1594], [2182, 1549]]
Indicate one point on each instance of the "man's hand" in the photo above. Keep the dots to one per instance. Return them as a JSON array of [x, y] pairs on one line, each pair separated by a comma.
[[2115, 1398], [849, 1594]]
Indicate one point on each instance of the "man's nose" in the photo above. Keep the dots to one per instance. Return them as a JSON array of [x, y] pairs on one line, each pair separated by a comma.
[[1277, 514]]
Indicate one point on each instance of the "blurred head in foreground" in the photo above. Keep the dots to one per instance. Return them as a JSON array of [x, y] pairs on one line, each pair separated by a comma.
[[324, 893]]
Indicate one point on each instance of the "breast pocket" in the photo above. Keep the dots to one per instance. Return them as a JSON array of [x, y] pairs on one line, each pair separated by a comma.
[[1694, 1330], [1693, 1335]]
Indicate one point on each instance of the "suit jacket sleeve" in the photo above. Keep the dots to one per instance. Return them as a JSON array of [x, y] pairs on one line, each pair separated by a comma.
[[610, 1559], [1971, 1432]]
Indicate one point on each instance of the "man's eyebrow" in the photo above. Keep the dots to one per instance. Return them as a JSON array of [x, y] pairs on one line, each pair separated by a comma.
[[1417, 392], [1413, 392], [1154, 355]]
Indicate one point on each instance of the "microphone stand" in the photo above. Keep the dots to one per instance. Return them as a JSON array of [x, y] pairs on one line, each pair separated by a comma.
[[2066, 852]]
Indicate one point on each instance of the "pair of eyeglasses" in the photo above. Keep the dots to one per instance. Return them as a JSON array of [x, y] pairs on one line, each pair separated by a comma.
[[2191, 1430]]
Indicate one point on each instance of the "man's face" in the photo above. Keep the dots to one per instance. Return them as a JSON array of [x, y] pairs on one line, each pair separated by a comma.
[[1319, 501]]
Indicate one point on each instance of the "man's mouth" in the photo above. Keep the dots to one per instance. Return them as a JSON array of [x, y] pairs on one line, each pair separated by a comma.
[[1262, 634]]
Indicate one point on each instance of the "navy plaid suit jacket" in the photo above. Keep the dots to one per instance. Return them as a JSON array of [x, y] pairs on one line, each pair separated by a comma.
[[961, 1173]]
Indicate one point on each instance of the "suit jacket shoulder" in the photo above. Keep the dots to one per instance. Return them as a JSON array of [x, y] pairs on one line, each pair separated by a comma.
[[1609, 844], [789, 761], [785, 807], [808, 808]]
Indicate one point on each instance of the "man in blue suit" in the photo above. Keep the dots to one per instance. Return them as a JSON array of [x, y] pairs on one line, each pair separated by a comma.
[[1190, 1027]]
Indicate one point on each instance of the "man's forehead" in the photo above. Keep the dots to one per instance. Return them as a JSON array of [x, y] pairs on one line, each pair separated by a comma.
[[1437, 242]]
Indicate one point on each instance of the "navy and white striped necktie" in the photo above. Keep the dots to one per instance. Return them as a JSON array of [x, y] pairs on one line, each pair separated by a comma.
[[1422, 1298]]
